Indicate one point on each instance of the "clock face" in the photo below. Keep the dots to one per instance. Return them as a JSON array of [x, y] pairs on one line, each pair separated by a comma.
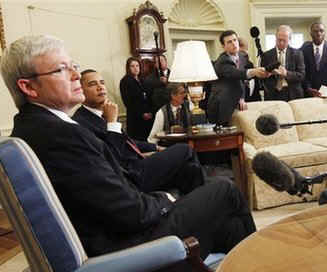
[[147, 26]]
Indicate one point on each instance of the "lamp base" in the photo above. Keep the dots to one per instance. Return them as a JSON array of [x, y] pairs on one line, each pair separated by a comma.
[[198, 119]]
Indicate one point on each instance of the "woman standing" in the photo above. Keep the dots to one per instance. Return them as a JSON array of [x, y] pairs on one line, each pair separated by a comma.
[[137, 101]]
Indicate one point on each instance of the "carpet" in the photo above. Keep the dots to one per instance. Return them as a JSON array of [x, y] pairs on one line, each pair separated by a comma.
[[9, 245]]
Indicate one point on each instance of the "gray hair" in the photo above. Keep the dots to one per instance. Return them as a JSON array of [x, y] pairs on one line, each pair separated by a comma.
[[17, 61], [286, 28]]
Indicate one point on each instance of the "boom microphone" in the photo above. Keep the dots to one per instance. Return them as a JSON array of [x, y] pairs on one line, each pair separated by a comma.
[[268, 124], [282, 177], [272, 171], [254, 31]]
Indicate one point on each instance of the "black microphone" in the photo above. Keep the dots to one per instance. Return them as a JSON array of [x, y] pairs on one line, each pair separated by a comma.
[[268, 124], [255, 32], [282, 177], [272, 171]]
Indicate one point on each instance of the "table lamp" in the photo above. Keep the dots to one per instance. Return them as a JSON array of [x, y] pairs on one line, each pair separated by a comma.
[[193, 66]]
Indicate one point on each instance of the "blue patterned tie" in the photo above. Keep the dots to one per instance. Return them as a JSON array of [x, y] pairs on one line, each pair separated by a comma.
[[317, 58]]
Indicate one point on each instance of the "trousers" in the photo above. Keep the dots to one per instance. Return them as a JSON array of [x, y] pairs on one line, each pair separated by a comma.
[[216, 214]]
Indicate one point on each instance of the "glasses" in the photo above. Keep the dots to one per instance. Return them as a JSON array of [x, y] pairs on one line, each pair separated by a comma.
[[74, 67]]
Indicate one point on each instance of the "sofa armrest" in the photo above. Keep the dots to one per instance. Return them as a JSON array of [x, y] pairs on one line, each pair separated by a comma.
[[149, 256], [249, 150]]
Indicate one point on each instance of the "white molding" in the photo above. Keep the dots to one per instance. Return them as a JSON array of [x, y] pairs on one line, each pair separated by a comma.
[[5, 131], [260, 10]]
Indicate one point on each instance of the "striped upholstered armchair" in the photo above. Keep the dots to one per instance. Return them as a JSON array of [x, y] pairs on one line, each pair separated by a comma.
[[48, 238]]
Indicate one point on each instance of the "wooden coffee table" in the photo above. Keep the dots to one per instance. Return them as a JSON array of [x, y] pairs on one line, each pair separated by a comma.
[[216, 141], [297, 243]]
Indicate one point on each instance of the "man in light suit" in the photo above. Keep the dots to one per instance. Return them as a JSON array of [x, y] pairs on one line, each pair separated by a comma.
[[45, 84], [182, 171], [228, 92], [285, 83], [315, 59]]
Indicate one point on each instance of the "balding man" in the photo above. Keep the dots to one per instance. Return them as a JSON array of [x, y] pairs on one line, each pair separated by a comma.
[[285, 82]]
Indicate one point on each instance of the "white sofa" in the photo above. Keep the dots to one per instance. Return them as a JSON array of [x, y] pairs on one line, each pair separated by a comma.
[[302, 147]]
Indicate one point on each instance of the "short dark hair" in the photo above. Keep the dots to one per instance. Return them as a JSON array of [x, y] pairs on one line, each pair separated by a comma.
[[172, 88], [315, 23], [87, 71], [225, 34]]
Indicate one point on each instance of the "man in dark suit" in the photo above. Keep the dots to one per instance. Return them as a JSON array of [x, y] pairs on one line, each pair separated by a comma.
[[228, 92], [252, 86], [182, 171], [315, 60], [285, 83], [45, 85], [157, 82]]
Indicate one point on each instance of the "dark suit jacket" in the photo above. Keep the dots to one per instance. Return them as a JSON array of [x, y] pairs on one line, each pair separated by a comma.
[[106, 209], [159, 94], [228, 89], [137, 100], [117, 142], [314, 78], [295, 73]]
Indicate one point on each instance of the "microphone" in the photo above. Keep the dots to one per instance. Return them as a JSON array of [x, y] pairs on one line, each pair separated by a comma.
[[282, 177], [254, 32], [268, 124]]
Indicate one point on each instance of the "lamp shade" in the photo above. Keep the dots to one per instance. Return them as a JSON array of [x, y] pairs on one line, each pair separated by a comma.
[[191, 63]]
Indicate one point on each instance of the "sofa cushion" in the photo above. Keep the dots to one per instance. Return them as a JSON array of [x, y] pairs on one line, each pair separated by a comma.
[[245, 120], [321, 141], [310, 109], [299, 154]]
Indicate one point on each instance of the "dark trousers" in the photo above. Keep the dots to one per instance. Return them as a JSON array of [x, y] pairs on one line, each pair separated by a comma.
[[175, 167], [216, 214]]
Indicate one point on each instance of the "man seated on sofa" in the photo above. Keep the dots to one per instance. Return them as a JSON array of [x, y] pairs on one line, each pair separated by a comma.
[[45, 84], [100, 116]]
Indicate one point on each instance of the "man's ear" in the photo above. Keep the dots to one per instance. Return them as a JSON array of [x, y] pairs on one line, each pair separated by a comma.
[[26, 87]]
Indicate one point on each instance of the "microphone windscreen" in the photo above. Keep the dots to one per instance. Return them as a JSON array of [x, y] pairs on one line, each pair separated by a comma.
[[273, 171], [156, 34], [254, 31], [267, 124]]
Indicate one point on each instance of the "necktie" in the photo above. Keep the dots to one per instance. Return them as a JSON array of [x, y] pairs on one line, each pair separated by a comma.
[[131, 143], [317, 58], [237, 62], [281, 59]]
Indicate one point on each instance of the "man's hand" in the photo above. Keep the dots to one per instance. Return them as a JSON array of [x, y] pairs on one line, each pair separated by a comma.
[[314, 92], [160, 148], [242, 105], [147, 116], [110, 112], [281, 71], [259, 72]]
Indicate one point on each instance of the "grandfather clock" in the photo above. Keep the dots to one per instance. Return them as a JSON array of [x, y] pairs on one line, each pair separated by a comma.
[[146, 23]]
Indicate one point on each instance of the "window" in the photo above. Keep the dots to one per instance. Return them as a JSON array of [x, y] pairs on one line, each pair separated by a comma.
[[296, 41]]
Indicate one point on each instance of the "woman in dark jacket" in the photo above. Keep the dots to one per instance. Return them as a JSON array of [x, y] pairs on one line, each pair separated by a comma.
[[137, 101]]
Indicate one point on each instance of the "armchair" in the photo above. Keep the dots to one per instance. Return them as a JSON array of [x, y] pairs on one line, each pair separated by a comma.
[[48, 238]]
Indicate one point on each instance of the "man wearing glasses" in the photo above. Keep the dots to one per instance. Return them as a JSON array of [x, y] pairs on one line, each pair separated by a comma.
[[45, 86]]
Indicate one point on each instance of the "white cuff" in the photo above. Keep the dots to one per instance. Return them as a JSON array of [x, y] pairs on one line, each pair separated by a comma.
[[114, 126]]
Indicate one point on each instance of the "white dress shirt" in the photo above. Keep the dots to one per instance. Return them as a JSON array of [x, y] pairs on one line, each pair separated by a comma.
[[111, 126], [320, 47], [159, 121]]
